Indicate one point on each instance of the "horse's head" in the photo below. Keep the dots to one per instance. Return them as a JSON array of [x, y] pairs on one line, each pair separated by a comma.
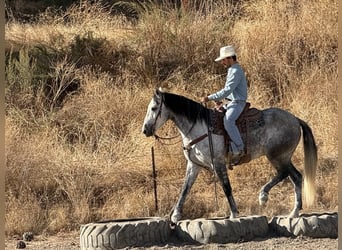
[[156, 114]]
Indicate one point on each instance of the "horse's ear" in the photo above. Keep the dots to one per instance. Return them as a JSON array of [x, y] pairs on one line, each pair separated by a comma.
[[159, 91]]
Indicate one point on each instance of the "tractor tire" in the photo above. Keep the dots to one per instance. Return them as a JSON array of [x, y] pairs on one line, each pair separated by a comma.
[[324, 225], [222, 230], [138, 232]]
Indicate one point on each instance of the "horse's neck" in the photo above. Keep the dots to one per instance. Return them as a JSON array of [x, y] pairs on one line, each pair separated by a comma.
[[189, 129]]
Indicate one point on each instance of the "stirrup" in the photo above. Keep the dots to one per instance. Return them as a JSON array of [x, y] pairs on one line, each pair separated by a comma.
[[229, 160], [234, 159]]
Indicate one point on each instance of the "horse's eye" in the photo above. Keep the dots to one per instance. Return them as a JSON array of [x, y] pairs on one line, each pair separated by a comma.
[[154, 109]]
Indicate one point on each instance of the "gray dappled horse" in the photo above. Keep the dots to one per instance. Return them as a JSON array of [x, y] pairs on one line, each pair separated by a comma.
[[277, 139]]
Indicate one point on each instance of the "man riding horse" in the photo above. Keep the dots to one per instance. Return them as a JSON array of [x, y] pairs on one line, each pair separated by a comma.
[[235, 90]]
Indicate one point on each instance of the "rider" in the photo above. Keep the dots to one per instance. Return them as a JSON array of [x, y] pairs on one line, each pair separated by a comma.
[[235, 90]]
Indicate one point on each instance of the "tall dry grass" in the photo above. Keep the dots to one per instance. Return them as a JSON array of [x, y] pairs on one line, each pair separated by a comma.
[[78, 84]]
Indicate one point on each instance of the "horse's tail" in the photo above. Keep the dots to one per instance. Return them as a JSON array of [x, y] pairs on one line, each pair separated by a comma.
[[310, 163]]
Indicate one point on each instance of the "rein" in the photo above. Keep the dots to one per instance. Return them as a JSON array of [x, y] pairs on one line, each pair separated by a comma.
[[211, 148], [159, 138]]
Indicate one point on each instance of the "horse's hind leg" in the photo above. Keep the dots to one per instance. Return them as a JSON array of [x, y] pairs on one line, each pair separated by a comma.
[[221, 172], [263, 196], [285, 170], [296, 179]]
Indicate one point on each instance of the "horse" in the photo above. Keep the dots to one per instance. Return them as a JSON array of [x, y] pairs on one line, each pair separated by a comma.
[[277, 139]]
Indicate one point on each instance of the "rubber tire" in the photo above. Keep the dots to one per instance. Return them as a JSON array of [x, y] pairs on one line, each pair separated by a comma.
[[320, 225], [222, 230], [138, 232]]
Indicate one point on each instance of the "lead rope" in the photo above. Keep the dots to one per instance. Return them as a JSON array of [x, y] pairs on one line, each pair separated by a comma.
[[211, 147]]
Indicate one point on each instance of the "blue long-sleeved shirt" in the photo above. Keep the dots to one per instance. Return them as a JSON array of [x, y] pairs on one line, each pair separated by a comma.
[[235, 87]]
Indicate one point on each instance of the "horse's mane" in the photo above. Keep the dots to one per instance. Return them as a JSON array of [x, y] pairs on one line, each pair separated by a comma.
[[181, 105]]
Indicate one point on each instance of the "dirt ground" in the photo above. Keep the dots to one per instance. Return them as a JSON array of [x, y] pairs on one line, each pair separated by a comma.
[[70, 241]]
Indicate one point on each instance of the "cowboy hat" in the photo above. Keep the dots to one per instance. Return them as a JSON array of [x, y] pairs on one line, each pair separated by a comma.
[[226, 51]]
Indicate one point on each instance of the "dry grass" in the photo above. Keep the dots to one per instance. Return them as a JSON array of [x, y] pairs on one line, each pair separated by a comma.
[[76, 155]]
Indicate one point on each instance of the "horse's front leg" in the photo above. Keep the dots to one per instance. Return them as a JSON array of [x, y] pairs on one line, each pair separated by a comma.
[[222, 175], [192, 171]]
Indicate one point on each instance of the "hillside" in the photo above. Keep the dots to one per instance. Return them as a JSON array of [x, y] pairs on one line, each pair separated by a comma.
[[78, 83]]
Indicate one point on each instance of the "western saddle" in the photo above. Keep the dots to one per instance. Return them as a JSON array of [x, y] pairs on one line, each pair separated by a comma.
[[250, 117]]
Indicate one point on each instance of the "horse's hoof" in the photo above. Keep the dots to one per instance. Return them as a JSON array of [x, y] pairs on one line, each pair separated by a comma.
[[172, 225], [263, 198], [234, 215], [175, 217]]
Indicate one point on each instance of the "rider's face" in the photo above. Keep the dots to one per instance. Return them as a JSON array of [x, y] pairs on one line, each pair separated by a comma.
[[227, 62]]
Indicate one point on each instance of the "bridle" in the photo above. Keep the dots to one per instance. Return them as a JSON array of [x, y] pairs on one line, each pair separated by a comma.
[[160, 138], [157, 137]]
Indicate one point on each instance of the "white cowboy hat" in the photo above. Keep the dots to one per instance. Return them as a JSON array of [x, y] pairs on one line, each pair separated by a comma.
[[226, 52]]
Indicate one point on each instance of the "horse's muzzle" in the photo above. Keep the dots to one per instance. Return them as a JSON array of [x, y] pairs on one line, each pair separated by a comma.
[[147, 130]]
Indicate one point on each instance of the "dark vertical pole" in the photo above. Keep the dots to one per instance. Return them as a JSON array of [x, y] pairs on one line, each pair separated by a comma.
[[154, 179]]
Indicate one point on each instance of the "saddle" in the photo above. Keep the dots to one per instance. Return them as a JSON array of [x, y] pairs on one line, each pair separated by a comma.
[[249, 118]]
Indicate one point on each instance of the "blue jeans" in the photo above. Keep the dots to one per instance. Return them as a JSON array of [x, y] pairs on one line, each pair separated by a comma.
[[234, 109]]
